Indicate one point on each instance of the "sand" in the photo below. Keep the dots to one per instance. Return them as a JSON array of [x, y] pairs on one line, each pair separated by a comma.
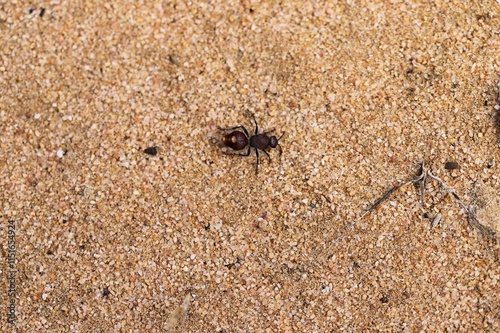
[[110, 239]]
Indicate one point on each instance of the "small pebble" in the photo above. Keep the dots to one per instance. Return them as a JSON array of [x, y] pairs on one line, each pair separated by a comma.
[[451, 165], [151, 150]]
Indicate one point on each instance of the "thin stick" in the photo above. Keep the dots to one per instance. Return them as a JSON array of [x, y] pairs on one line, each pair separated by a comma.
[[375, 205], [422, 177], [471, 212], [450, 191]]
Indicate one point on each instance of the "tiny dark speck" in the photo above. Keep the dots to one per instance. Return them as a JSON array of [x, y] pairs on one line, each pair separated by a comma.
[[151, 151], [451, 165], [173, 59], [207, 227], [42, 12], [31, 10], [105, 292], [384, 299]]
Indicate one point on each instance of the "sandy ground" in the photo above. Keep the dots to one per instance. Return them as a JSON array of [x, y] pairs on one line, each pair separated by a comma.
[[110, 239]]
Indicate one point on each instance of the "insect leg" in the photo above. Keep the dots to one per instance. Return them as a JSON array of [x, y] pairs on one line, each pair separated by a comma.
[[239, 154], [233, 128], [267, 154], [257, 164]]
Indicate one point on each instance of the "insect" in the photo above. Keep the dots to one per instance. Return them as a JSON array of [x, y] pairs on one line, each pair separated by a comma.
[[238, 140]]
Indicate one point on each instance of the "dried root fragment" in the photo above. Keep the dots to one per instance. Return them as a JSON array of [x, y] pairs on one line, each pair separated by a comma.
[[483, 216]]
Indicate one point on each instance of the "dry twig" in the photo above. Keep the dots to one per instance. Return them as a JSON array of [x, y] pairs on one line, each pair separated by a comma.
[[425, 172]]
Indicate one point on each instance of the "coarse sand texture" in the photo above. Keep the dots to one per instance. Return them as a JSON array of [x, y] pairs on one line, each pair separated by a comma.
[[121, 210]]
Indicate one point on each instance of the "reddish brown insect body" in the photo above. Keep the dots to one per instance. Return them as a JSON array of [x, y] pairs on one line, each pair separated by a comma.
[[238, 140]]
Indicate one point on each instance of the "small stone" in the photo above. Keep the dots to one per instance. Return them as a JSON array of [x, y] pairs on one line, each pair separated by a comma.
[[151, 150]]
